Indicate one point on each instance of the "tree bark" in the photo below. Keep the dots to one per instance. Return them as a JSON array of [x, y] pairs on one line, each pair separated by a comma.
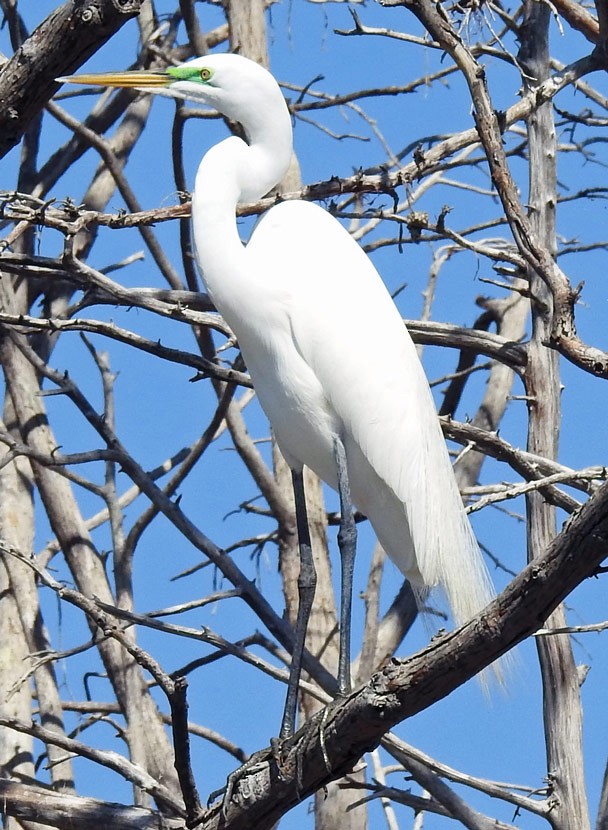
[[328, 747], [333, 805], [62, 43], [82, 558], [562, 710], [37, 804]]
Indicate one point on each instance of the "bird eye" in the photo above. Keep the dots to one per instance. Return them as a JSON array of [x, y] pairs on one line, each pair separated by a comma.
[[205, 73]]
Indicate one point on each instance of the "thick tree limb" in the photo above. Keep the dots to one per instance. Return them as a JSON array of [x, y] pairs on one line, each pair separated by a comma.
[[30, 803], [64, 41], [579, 18], [562, 710], [333, 741], [107, 758]]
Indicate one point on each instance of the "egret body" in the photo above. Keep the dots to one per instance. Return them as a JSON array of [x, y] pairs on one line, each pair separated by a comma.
[[332, 363]]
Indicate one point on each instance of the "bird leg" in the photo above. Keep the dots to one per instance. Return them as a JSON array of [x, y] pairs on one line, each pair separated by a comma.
[[347, 543], [307, 582]]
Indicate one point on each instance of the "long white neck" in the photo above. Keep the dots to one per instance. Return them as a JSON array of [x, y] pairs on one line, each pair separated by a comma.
[[234, 172]]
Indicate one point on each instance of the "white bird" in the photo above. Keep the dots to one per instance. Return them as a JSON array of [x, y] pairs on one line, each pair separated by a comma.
[[331, 360]]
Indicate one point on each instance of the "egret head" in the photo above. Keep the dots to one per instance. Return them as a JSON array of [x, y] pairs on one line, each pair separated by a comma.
[[234, 85]]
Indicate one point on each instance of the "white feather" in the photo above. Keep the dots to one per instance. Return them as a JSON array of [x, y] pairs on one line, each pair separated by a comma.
[[326, 347], [349, 365]]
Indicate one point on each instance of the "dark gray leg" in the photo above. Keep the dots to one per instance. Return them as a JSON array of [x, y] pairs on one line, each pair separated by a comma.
[[307, 582], [347, 542]]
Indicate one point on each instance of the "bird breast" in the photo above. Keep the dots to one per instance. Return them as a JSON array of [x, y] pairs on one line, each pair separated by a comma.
[[304, 422]]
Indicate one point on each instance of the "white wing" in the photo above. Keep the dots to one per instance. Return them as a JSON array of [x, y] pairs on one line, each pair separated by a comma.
[[347, 329]]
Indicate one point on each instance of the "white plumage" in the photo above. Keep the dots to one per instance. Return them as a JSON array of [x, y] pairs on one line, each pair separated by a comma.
[[328, 353], [327, 349]]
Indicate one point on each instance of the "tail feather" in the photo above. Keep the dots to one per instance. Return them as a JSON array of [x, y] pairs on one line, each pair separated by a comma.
[[447, 552]]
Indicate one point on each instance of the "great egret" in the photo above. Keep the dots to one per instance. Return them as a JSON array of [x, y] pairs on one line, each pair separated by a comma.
[[333, 365]]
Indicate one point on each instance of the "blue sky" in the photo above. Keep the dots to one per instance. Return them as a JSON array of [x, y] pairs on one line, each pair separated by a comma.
[[499, 739]]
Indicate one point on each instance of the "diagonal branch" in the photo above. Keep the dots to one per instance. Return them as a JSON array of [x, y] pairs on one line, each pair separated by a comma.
[[333, 741], [490, 125], [62, 42]]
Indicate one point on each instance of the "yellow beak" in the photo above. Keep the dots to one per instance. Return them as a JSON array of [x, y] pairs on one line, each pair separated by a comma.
[[132, 80]]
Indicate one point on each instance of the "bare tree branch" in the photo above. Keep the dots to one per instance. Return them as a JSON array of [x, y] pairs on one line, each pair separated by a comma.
[[332, 742], [71, 34], [29, 803]]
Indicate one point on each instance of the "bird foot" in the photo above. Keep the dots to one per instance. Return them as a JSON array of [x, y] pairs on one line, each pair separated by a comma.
[[245, 778], [279, 756], [288, 758], [322, 738]]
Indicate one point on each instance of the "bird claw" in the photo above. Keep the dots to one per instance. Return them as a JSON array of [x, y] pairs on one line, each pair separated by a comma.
[[285, 757], [322, 740], [250, 768], [215, 795], [276, 746], [288, 756], [281, 757]]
